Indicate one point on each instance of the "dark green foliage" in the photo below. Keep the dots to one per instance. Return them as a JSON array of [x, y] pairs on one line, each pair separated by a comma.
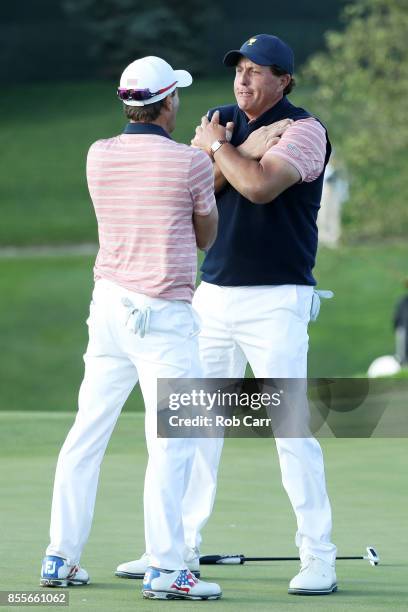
[[361, 88], [123, 30]]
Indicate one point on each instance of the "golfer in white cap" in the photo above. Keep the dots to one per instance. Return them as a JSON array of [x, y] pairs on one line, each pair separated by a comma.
[[154, 203]]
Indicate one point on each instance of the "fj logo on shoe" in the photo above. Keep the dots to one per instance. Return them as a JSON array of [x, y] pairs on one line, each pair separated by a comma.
[[50, 567]]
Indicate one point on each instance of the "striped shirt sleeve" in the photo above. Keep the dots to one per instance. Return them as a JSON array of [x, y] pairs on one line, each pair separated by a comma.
[[201, 183], [304, 146]]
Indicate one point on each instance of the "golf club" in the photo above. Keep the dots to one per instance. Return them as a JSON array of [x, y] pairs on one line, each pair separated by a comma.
[[238, 559]]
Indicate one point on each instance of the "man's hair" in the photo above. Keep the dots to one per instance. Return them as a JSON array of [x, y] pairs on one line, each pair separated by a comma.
[[279, 72], [146, 113]]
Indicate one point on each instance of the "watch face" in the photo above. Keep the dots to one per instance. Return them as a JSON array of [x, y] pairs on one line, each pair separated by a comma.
[[216, 145]]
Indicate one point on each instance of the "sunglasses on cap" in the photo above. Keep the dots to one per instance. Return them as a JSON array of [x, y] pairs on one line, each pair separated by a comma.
[[140, 95]]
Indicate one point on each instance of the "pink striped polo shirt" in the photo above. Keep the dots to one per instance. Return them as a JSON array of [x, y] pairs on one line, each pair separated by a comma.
[[304, 146], [145, 187]]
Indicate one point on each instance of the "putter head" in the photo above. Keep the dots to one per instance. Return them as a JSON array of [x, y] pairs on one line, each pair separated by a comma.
[[372, 556]]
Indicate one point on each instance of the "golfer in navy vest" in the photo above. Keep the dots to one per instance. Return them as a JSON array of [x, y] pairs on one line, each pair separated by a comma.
[[257, 291]]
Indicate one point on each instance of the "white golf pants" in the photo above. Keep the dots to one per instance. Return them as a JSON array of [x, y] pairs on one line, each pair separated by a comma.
[[267, 327], [116, 358]]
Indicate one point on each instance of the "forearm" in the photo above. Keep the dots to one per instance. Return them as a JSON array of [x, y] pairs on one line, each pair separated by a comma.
[[219, 179], [244, 174], [205, 228]]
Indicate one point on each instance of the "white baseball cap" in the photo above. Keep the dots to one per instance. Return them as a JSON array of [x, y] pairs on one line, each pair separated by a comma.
[[147, 76]]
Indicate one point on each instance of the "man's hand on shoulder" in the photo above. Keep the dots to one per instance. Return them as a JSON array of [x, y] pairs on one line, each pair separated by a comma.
[[303, 146], [262, 139]]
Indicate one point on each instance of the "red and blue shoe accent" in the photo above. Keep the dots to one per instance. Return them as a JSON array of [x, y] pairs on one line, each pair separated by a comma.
[[179, 584]]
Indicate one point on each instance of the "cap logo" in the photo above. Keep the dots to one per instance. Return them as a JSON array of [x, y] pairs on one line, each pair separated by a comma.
[[251, 41]]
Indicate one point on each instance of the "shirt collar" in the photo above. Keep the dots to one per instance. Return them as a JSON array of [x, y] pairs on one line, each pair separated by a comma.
[[146, 128]]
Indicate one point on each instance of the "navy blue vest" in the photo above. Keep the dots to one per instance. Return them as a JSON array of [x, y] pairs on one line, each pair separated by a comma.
[[265, 244]]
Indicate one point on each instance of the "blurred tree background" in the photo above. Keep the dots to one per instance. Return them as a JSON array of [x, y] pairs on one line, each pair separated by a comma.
[[59, 39], [352, 62], [123, 29], [61, 60], [360, 84]]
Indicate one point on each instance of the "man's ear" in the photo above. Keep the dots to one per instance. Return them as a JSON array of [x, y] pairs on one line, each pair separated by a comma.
[[168, 102], [285, 80]]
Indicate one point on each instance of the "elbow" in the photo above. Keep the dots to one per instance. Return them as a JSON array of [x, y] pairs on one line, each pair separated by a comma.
[[206, 243], [259, 195], [250, 192], [257, 191], [261, 198], [203, 245]]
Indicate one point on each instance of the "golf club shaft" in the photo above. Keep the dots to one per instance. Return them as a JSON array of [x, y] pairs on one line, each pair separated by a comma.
[[241, 559], [291, 558]]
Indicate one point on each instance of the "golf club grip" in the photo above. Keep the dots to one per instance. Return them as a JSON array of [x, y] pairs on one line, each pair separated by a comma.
[[222, 560]]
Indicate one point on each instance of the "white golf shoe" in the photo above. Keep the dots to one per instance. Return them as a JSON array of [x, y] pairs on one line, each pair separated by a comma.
[[179, 584], [316, 577], [138, 568], [57, 572]]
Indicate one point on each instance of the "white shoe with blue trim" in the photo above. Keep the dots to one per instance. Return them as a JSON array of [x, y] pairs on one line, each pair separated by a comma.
[[57, 572]]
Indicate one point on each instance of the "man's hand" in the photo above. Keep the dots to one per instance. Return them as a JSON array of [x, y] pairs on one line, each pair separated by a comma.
[[263, 139], [209, 131]]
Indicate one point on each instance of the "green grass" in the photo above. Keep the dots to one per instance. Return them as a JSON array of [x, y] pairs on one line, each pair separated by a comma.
[[367, 486], [42, 321], [356, 326], [43, 326]]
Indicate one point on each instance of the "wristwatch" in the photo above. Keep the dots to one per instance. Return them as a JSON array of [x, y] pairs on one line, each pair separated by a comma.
[[217, 144]]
